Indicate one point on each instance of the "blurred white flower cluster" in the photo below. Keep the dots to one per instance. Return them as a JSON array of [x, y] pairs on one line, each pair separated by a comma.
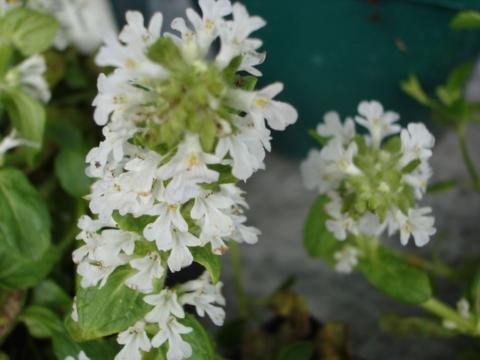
[[374, 180], [181, 126], [82, 22]]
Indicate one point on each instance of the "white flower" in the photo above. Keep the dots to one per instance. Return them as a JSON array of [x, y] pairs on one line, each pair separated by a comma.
[[369, 224], [379, 123], [135, 341], [315, 174], [202, 294], [347, 259], [332, 127], [12, 141], [209, 208], [81, 356], [234, 41], [213, 12], [243, 233], [416, 224], [417, 143], [261, 106], [246, 148], [29, 74], [338, 159], [96, 272], [418, 179], [171, 331], [149, 268], [116, 98], [187, 168], [74, 313], [340, 224], [165, 305], [134, 32], [463, 308], [141, 172]]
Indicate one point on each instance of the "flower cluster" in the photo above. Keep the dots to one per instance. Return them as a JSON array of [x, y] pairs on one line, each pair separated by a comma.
[[373, 181], [181, 127]]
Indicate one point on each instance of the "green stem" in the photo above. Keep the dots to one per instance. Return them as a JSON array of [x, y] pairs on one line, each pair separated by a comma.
[[446, 312], [467, 158], [436, 268], [242, 299]]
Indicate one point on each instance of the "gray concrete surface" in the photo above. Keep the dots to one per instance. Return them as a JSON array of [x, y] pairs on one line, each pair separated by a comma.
[[279, 205]]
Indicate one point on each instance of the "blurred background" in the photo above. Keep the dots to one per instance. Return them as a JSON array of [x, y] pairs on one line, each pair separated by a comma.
[[330, 55]]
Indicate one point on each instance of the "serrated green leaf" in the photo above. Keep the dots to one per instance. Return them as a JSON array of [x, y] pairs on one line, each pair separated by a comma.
[[317, 240], [70, 170], [391, 275], [211, 262], [466, 20], [299, 350], [107, 310], [30, 31]]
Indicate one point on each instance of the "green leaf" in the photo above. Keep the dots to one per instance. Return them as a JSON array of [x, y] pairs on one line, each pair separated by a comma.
[[466, 20], [41, 322], [24, 217], [107, 310], [300, 350], [317, 240], [414, 326], [317, 137], [453, 90], [29, 30], [205, 257], [26, 114], [70, 170], [131, 223], [442, 186], [395, 278], [202, 347], [413, 88], [246, 83], [412, 165], [48, 294], [207, 133]]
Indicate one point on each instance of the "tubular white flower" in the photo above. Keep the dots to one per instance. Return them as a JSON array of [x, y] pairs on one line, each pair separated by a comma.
[[12, 140], [316, 175], [417, 143], [380, 124], [347, 259], [135, 341], [149, 268], [338, 159], [416, 224], [332, 127], [178, 349], [81, 356], [29, 75]]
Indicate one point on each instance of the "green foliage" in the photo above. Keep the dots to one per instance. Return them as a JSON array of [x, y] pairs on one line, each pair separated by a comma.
[[466, 20], [391, 275], [107, 310], [28, 30], [211, 262], [130, 223], [164, 52], [50, 295], [414, 326], [317, 240], [70, 170], [25, 252], [300, 350], [442, 186], [202, 346], [26, 114]]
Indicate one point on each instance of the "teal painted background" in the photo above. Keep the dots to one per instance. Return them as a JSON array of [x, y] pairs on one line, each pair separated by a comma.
[[333, 53]]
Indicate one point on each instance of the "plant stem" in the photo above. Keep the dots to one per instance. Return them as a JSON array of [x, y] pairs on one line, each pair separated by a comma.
[[467, 158], [242, 300], [446, 312], [436, 268]]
